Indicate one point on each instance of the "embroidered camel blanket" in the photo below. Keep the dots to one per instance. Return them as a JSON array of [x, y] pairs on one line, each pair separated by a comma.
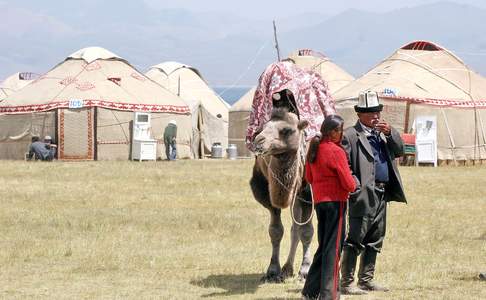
[[311, 93]]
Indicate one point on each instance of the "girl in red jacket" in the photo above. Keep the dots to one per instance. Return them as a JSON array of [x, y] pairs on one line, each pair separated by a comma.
[[328, 172]]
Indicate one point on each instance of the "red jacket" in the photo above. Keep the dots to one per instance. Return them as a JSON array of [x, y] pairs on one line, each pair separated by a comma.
[[329, 174]]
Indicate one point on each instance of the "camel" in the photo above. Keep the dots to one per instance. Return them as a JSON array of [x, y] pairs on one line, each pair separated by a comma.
[[278, 179]]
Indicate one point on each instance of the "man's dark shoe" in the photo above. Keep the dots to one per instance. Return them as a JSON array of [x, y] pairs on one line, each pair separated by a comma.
[[352, 290], [372, 286]]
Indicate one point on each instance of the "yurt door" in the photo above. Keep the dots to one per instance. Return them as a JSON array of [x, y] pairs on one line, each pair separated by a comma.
[[76, 134]]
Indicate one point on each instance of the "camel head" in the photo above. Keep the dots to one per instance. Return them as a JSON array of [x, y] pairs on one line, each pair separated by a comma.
[[282, 134]]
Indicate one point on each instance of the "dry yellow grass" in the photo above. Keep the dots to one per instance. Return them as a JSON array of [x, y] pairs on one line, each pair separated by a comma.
[[191, 229]]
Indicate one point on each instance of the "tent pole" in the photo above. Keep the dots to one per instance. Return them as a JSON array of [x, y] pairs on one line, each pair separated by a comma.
[[482, 133], [201, 137], [451, 139], [276, 40], [407, 116], [95, 138], [476, 135]]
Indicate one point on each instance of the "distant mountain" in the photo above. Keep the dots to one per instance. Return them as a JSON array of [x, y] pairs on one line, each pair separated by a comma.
[[358, 40], [36, 37], [228, 49]]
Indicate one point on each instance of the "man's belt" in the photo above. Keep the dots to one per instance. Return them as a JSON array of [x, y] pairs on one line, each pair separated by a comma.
[[380, 185]]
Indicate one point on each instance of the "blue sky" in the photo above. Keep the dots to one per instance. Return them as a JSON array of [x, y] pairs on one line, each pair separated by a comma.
[[226, 39]]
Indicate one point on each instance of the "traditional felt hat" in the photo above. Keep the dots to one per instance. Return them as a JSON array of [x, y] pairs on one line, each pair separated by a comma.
[[368, 102]]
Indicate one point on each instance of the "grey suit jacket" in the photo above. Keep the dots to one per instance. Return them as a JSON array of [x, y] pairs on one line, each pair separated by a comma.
[[364, 201]]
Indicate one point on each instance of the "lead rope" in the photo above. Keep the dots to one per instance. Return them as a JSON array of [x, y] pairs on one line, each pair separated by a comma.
[[294, 196], [302, 199]]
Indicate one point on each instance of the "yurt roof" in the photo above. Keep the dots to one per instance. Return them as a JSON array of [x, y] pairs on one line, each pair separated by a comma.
[[335, 76], [93, 77], [3, 94], [188, 83], [421, 72], [18, 80], [15, 82], [245, 102], [170, 67], [307, 59], [91, 54]]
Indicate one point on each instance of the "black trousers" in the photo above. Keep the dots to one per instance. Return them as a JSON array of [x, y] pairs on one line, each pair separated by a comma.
[[323, 277], [368, 232]]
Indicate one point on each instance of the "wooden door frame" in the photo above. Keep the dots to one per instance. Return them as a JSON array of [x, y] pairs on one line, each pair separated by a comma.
[[91, 136]]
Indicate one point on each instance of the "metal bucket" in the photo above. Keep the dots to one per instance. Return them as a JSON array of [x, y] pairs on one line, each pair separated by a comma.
[[217, 151], [232, 151]]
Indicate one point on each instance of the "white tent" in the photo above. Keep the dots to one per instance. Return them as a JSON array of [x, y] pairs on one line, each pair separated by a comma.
[[332, 74], [424, 79], [88, 102], [238, 121], [15, 82], [209, 111]]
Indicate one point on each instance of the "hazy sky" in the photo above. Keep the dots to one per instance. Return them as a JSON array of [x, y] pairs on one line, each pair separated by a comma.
[[273, 8]]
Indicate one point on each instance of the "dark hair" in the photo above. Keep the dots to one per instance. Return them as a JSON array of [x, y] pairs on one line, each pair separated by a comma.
[[330, 123], [35, 139]]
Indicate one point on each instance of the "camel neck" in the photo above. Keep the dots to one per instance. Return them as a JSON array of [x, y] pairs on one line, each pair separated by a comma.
[[285, 158]]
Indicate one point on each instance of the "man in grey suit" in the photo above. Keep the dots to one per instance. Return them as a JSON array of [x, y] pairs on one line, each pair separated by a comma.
[[372, 146]]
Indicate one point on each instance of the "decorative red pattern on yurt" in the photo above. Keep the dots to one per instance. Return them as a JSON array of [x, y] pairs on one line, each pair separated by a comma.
[[422, 45]]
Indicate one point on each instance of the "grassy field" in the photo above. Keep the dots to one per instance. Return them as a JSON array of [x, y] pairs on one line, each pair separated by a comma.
[[191, 229]]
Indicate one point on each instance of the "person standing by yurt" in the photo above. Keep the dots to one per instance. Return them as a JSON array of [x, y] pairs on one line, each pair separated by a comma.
[[170, 136], [328, 172], [372, 146]]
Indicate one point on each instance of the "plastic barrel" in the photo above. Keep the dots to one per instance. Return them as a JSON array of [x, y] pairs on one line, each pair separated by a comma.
[[216, 151], [232, 151]]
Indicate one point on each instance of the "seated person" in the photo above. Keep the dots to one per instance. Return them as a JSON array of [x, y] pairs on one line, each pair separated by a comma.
[[51, 146], [39, 150]]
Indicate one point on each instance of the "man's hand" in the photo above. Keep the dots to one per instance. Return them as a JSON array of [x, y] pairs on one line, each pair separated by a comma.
[[384, 127]]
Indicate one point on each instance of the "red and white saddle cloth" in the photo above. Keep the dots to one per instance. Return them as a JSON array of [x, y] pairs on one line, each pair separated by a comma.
[[312, 97]]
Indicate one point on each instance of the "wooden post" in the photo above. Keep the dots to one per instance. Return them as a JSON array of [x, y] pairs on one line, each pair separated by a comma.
[[407, 116], [276, 40], [200, 126], [451, 139]]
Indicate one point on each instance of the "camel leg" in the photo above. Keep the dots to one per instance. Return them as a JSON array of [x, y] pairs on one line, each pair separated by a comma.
[[276, 231], [306, 233], [303, 233], [288, 267], [259, 187]]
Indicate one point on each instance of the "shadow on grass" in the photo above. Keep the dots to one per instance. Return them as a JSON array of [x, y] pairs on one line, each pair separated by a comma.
[[482, 237], [469, 278], [238, 285], [293, 291], [232, 284]]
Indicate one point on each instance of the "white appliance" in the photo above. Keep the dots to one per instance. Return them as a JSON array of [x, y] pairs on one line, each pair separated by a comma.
[[143, 146], [426, 140]]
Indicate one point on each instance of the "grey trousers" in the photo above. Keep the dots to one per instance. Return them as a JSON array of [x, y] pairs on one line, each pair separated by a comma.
[[368, 231]]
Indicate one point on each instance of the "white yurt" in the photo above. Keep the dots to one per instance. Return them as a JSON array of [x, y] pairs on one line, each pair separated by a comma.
[[15, 82], [87, 102], [307, 59], [238, 121], [335, 76], [425, 79], [209, 111]]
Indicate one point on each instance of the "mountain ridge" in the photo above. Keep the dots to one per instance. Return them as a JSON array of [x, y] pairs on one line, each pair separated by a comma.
[[233, 50]]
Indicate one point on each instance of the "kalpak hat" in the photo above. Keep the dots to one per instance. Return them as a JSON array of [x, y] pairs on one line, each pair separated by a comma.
[[368, 102]]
